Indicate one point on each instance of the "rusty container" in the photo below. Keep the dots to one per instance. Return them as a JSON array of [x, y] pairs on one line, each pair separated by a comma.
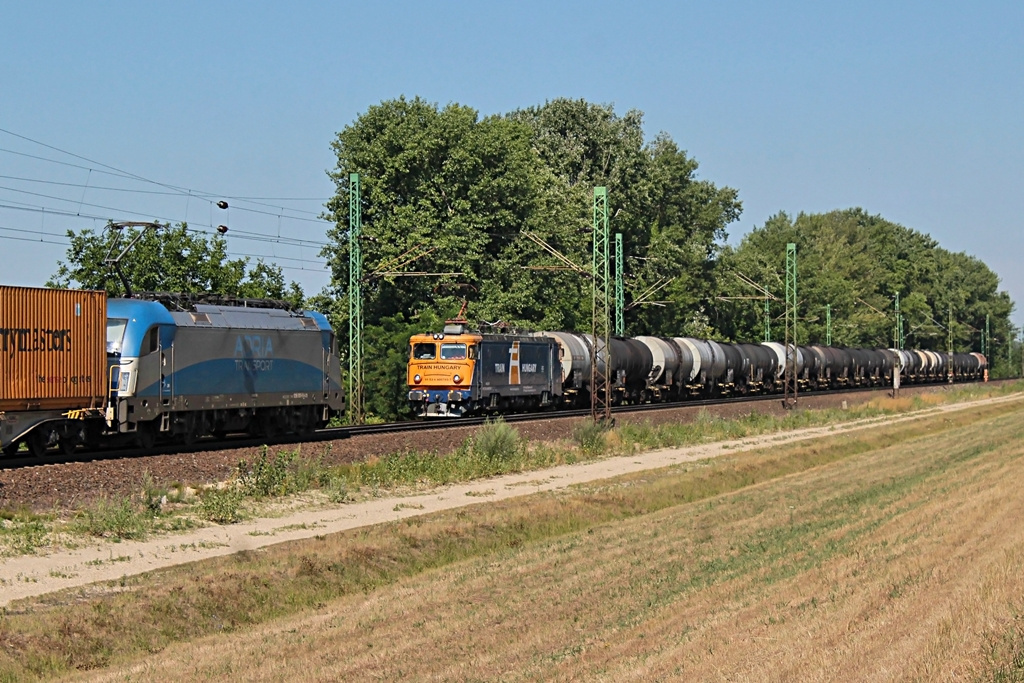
[[52, 348]]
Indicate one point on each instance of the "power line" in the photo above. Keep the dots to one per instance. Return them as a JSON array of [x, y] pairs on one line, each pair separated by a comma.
[[65, 243], [148, 192], [127, 174], [156, 192], [241, 234]]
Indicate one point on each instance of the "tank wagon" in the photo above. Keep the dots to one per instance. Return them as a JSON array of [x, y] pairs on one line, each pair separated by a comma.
[[176, 368], [459, 372]]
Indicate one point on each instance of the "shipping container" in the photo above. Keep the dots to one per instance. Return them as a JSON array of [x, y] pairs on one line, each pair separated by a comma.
[[52, 349]]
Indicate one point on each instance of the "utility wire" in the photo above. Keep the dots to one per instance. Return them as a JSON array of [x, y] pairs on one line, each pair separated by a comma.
[[125, 174]]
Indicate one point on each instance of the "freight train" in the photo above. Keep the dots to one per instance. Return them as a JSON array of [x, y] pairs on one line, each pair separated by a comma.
[[79, 369], [460, 372]]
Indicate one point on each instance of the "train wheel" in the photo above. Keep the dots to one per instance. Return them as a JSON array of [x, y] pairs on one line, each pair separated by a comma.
[[307, 421], [145, 436], [190, 429], [37, 443], [269, 426], [67, 445]]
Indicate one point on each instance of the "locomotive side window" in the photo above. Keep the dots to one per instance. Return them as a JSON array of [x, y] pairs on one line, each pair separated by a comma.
[[151, 342], [424, 351], [453, 351], [472, 352]]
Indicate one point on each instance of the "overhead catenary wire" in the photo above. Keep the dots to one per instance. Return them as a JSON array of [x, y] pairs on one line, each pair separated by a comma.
[[77, 207]]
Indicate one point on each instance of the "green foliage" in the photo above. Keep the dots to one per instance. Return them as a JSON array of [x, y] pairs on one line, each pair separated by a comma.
[[337, 489], [119, 519], [590, 436], [268, 477], [387, 343], [452, 195], [172, 259], [858, 263], [23, 532], [222, 505], [498, 442]]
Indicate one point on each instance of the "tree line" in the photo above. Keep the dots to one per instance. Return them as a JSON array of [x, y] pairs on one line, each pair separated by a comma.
[[462, 208]]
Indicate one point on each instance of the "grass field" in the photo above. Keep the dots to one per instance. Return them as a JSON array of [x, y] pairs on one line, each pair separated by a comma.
[[889, 554]]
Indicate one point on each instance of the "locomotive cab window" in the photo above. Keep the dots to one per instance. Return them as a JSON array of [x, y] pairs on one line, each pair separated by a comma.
[[424, 351], [453, 351], [115, 334]]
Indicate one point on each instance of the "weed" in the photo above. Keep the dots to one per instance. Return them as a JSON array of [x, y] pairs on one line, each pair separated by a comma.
[[337, 490], [223, 506], [497, 443], [119, 519], [153, 497], [268, 477], [589, 435], [24, 536]]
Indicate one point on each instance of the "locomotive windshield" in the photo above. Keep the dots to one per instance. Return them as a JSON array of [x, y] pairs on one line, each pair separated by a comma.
[[453, 351], [424, 351], [115, 334]]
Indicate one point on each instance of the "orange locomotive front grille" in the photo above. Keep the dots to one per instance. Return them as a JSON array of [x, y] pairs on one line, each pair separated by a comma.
[[441, 361], [440, 375]]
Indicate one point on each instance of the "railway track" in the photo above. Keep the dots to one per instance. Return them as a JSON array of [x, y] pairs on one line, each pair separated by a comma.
[[71, 482], [338, 433]]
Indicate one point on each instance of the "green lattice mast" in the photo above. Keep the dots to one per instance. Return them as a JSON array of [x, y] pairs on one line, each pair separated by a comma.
[[949, 345], [828, 324], [620, 293], [355, 302], [600, 383], [767, 319], [791, 380]]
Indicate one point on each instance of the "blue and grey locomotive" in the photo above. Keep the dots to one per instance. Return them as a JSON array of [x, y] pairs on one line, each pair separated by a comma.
[[214, 369]]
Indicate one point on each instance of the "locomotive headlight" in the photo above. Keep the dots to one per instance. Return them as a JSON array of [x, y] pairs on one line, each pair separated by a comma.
[[456, 379], [417, 379]]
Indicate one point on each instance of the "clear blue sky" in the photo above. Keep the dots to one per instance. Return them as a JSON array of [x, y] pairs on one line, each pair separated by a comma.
[[910, 110]]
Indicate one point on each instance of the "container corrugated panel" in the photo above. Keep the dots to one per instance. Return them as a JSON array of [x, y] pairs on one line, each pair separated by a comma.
[[52, 348]]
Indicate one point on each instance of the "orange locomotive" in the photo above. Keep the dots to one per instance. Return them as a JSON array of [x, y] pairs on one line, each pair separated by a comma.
[[456, 372]]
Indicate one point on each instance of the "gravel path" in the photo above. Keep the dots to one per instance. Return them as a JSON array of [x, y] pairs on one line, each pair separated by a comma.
[[36, 575]]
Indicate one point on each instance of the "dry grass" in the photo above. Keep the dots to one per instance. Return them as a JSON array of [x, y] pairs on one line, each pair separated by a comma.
[[889, 555]]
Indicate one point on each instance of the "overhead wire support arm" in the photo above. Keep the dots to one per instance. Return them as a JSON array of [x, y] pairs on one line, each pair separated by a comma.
[[416, 273], [568, 264], [766, 295], [644, 299], [750, 283], [410, 255]]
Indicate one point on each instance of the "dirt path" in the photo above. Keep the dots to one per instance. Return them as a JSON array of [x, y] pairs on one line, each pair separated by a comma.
[[34, 575]]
